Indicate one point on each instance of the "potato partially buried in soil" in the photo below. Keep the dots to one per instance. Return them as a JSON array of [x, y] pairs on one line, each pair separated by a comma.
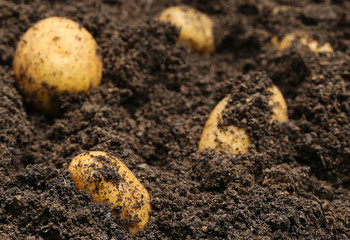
[[302, 38], [232, 139], [196, 27], [110, 181], [56, 55]]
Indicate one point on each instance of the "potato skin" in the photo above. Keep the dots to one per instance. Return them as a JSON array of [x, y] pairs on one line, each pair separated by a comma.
[[278, 104], [196, 27], [108, 180], [304, 39], [55, 55], [231, 139]]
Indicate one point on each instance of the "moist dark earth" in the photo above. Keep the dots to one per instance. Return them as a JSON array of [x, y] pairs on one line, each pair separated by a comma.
[[150, 109]]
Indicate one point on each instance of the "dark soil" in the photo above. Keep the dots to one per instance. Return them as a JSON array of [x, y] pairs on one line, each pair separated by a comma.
[[151, 107]]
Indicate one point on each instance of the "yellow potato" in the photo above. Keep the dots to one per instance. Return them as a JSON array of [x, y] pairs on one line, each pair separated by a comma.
[[56, 55], [278, 104], [227, 138], [196, 27], [232, 139], [314, 46], [303, 38], [109, 181]]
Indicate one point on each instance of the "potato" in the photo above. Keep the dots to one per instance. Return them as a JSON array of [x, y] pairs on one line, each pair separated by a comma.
[[231, 139], [314, 46], [56, 55], [196, 27], [109, 181], [278, 104], [303, 38], [227, 138]]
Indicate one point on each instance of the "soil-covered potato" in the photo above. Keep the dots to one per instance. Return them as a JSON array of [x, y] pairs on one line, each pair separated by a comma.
[[227, 138], [278, 104], [196, 27], [232, 139], [108, 180], [56, 55], [304, 39]]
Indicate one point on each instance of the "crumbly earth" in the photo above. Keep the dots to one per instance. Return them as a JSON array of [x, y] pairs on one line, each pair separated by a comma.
[[151, 107]]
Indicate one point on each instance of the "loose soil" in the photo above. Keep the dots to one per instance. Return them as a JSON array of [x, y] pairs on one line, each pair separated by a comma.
[[150, 110]]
